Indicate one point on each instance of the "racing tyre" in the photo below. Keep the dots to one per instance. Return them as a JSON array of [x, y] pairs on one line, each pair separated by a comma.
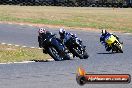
[[54, 54], [119, 49], [67, 57], [85, 55], [76, 53]]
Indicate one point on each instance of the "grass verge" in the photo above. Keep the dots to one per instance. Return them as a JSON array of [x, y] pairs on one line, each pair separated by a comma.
[[18, 54], [118, 19]]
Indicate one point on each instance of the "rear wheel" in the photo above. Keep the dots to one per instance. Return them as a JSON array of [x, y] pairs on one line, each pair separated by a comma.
[[54, 54], [77, 53]]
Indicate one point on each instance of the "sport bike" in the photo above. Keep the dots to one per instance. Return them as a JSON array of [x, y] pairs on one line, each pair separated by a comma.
[[76, 47], [55, 48], [113, 43]]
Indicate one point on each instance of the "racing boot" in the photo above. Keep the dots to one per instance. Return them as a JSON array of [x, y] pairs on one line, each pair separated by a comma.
[[44, 51], [108, 48]]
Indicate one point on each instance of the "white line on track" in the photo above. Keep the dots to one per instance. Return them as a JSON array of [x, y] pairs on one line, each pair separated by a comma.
[[24, 46], [128, 33], [26, 62], [32, 47], [17, 45], [23, 62], [22, 24], [9, 44], [40, 48], [3, 43], [10, 23], [31, 25], [50, 60]]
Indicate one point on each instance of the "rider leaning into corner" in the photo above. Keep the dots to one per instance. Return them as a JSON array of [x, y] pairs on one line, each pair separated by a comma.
[[104, 35], [43, 34], [65, 36]]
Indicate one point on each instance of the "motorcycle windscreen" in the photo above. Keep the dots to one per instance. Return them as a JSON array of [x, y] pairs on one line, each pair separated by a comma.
[[110, 39], [67, 37]]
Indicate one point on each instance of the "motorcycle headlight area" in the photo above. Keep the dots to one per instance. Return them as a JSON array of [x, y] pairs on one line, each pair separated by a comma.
[[77, 41]]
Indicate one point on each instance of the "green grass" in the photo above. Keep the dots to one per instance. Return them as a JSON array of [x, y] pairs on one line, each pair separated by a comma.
[[18, 54], [118, 19]]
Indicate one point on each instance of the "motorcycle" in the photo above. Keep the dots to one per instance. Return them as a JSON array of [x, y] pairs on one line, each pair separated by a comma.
[[113, 43], [55, 48], [76, 47]]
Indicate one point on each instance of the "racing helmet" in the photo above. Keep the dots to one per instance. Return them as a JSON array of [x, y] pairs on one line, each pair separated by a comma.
[[42, 30], [104, 32], [62, 31]]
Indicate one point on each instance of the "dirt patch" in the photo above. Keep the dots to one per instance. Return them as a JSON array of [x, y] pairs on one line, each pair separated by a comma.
[[50, 26], [57, 26]]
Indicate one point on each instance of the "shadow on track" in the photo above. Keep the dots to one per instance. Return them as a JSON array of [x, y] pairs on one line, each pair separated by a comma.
[[106, 53], [48, 60], [42, 60]]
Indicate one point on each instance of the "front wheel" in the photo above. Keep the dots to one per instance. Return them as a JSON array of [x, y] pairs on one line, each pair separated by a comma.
[[80, 54], [119, 48], [77, 53], [67, 57], [85, 55], [54, 54]]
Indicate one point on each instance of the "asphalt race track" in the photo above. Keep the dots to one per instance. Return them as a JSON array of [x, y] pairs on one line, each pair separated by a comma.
[[62, 74]]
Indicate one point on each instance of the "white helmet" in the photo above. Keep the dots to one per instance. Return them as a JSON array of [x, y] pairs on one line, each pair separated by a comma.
[[62, 31], [42, 30], [104, 32]]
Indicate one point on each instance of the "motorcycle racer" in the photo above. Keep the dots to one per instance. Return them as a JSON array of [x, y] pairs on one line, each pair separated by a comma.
[[73, 44], [43, 34], [65, 36], [103, 36]]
